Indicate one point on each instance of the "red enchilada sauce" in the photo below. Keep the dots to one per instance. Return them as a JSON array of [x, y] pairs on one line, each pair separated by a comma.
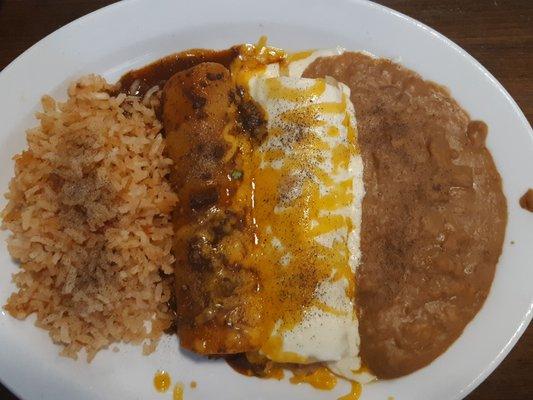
[[158, 72]]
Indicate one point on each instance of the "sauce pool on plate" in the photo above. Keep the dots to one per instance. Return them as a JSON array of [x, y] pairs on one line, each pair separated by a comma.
[[162, 381], [526, 201], [177, 394]]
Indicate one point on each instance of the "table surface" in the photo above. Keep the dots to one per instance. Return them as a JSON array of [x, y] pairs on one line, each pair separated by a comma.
[[498, 33]]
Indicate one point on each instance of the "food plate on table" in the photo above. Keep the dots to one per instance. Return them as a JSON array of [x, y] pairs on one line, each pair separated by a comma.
[[236, 202]]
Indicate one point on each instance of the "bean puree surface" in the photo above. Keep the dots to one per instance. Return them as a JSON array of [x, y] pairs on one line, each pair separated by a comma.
[[434, 214]]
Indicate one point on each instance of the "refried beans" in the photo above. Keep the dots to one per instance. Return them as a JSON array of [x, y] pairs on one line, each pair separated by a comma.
[[434, 214]]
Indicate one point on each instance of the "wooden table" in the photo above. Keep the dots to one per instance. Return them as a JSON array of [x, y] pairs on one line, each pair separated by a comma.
[[498, 33]]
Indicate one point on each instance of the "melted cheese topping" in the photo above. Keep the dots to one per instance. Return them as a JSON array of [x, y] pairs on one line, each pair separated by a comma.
[[355, 392], [305, 190], [302, 190], [296, 63], [177, 393], [320, 378], [162, 381]]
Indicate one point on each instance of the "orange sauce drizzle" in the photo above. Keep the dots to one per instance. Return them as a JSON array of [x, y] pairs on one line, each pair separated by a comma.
[[162, 381], [355, 392], [322, 378], [273, 347], [298, 56], [253, 60], [276, 90], [333, 131], [284, 65], [177, 394], [328, 309]]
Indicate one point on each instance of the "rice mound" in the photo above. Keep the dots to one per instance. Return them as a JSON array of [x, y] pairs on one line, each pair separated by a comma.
[[89, 211]]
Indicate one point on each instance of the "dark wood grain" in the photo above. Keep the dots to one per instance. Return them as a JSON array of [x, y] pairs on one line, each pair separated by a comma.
[[498, 33]]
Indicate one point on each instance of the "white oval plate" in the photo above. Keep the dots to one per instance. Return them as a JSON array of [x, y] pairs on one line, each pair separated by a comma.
[[127, 35]]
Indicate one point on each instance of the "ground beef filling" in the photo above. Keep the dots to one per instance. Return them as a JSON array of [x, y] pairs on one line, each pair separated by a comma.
[[434, 213]]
